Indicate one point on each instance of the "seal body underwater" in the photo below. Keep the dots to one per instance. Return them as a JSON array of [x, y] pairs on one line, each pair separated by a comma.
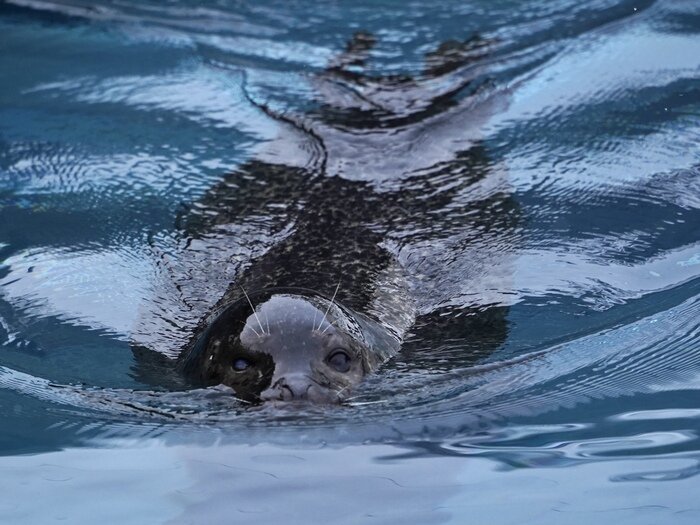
[[329, 300]]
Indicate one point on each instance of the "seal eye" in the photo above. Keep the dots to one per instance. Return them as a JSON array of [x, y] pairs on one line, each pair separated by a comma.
[[241, 364], [340, 361]]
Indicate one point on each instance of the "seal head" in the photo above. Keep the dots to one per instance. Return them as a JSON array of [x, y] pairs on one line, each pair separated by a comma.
[[289, 347]]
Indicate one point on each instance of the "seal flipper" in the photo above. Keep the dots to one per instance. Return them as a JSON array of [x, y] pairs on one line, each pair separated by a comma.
[[466, 337], [351, 98], [355, 55], [453, 54]]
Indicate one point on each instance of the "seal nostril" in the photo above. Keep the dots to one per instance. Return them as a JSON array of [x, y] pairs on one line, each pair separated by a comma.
[[290, 388]]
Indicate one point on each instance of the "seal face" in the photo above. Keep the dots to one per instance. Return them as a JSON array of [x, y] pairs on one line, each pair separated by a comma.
[[288, 348]]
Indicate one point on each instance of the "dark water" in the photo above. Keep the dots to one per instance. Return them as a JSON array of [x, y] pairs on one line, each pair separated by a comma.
[[540, 198]]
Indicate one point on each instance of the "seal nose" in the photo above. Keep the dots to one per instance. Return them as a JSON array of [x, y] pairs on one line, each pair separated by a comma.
[[287, 389]]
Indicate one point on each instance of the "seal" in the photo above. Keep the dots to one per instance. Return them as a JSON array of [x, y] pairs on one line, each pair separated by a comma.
[[321, 297]]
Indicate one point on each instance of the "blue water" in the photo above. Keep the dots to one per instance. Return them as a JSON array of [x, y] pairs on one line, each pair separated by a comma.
[[574, 231]]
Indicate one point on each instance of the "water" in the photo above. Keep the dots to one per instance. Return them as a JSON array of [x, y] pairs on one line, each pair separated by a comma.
[[541, 201]]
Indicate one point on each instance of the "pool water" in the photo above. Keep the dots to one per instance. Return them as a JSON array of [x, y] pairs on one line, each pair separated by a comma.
[[541, 197]]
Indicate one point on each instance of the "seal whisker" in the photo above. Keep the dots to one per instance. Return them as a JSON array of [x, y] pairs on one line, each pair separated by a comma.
[[330, 323], [362, 403], [329, 306], [254, 312], [351, 398], [340, 391]]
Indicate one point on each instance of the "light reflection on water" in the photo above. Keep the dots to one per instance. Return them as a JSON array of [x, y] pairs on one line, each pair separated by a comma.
[[566, 234]]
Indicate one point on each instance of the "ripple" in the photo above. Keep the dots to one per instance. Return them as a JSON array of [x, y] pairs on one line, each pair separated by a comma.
[[629, 360], [577, 149], [660, 414]]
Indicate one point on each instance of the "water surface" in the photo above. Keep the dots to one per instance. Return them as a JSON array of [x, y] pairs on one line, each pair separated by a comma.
[[544, 211]]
